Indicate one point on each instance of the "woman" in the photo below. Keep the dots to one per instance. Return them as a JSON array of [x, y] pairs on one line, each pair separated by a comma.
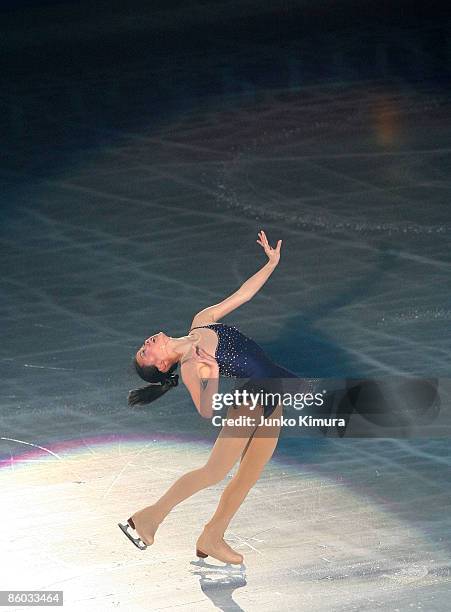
[[211, 349]]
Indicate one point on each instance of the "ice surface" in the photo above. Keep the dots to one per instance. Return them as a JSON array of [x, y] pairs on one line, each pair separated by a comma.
[[139, 235]]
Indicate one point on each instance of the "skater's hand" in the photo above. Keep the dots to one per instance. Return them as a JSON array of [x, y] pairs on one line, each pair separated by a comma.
[[209, 367], [273, 254], [201, 356]]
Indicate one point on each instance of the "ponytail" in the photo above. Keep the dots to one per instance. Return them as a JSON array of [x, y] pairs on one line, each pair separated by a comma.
[[160, 383]]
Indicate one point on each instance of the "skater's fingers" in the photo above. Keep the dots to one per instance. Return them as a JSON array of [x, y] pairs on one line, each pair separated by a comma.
[[201, 355], [205, 355]]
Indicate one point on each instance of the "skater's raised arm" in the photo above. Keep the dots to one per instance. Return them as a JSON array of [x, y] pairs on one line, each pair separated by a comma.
[[247, 290]]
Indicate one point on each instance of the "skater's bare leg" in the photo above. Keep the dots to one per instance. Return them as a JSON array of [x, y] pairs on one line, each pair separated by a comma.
[[258, 452], [225, 453]]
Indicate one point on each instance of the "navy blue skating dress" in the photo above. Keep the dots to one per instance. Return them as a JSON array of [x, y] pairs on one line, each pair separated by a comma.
[[240, 357]]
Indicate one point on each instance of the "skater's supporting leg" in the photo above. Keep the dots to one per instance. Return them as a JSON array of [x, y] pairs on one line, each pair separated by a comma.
[[260, 449]]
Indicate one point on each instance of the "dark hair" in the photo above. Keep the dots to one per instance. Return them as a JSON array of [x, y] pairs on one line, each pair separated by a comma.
[[160, 383]]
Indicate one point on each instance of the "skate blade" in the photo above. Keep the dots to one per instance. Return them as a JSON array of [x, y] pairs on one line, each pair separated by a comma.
[[136, 541]]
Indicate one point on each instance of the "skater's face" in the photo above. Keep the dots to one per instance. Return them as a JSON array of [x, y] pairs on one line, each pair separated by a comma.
[[153, 352]]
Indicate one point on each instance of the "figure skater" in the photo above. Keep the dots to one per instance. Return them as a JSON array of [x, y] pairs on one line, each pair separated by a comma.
[[211, 349]]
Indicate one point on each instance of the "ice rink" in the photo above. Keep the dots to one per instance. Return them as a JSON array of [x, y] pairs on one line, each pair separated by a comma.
[[114, 232]]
